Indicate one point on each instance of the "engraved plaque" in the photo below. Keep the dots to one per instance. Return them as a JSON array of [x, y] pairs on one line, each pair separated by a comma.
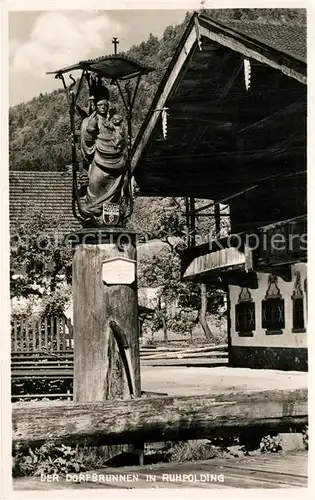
[[119, 271]]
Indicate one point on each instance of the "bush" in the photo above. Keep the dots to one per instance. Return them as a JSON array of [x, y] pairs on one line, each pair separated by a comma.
[[270, 444], [182, 321], [147, 342], [61, 459], [48, 459], [56, 303], [41, 386]]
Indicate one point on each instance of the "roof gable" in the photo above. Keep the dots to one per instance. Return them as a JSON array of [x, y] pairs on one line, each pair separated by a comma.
[[280, 47], [224, 136]]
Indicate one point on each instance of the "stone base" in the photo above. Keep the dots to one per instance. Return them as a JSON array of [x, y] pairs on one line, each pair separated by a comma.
[[276, 358], [291, 441]]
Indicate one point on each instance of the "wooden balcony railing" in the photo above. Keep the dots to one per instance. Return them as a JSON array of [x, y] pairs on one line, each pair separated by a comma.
[[282, 243], [277, 245]]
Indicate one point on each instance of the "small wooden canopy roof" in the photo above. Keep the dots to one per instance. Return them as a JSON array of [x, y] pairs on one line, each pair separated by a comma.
[[115, 67], [221, 137]]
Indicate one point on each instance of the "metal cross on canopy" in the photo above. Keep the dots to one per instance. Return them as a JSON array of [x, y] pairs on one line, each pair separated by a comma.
[[120, 71], [115, 42]]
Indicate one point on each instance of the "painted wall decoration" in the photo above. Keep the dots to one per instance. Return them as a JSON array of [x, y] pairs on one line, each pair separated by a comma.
[[272, 308], [298, 322], [288, 338], [286, 350], [245, 322]]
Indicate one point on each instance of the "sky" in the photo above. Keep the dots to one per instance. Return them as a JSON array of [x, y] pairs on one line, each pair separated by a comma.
[[41, 41]]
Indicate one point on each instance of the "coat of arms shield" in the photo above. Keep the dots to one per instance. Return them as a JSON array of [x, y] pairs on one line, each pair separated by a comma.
[[111, 214]]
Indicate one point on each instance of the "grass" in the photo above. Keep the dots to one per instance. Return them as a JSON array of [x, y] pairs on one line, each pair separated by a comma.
[[96, 457], [217, 324], [190, 451]]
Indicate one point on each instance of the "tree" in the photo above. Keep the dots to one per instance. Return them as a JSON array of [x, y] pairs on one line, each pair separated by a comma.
[[159, 218], [274, 16], [163, 271], [164, 219], [40, 260]]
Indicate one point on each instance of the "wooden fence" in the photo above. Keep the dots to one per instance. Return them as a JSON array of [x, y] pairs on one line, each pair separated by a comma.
[[50, 333]]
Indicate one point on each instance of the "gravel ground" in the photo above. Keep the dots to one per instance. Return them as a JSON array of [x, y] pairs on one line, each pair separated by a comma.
[[186, 381]]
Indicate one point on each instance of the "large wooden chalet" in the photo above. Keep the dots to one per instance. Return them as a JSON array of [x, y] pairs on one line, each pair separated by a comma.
[[236, 98]]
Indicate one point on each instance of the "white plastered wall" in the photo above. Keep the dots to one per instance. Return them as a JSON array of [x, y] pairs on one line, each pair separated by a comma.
[[260, 339]]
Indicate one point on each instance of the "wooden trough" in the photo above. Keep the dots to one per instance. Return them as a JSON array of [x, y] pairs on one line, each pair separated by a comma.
[[157, 419]]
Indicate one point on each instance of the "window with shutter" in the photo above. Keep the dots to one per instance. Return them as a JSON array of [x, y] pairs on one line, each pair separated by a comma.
[[245, 322], [298, 325], [272, 308]]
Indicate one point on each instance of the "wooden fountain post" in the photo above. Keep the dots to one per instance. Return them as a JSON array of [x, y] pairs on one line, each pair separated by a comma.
[[105, 295]]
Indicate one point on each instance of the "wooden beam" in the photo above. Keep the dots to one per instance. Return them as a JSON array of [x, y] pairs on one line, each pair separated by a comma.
[[230, 82], [202, 108], [186, 356], [235, 276], [157, 419], [283, 271], [200, 351], [228, 198], [291, 108], [192, 222], [240, 278], [253, 53], [171, 81]]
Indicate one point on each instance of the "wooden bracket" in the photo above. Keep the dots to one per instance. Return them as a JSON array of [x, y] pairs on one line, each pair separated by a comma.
[[284, 272]]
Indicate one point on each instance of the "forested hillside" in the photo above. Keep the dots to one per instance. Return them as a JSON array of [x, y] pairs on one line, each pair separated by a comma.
[[39, 130]]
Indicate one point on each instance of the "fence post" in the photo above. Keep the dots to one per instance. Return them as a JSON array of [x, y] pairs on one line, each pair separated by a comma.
[[52, 331], [46, 332], [58, 324], [15, 333], [23, 337], [34, 335], [39, 331], [63, 333], [27, 334]]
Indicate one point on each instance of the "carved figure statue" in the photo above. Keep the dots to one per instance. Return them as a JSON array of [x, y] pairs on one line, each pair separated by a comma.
[[104, 150]]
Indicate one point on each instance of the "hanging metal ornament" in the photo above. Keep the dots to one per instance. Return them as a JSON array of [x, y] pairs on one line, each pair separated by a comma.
[[164, 122], [247, 73]]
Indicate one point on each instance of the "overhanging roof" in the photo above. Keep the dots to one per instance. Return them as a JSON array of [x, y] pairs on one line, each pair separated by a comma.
[[204, 92], [290, 40]]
